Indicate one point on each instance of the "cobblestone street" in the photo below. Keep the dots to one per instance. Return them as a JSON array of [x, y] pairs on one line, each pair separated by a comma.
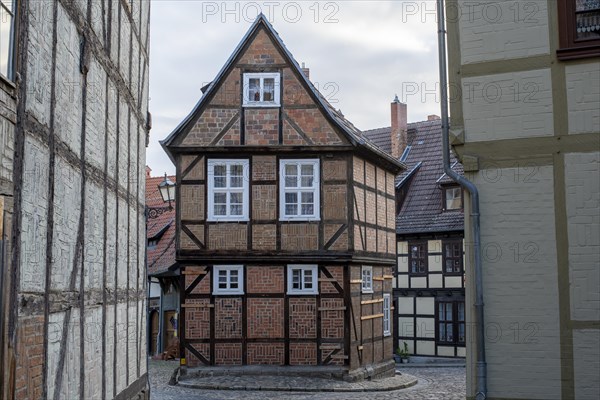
[[434, 383]]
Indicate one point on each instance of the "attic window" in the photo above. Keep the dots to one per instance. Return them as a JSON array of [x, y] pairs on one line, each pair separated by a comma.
[[261, 89], [453, 198]]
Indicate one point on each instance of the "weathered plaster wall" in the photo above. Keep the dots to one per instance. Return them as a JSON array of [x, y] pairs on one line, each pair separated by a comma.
[[79, 152]]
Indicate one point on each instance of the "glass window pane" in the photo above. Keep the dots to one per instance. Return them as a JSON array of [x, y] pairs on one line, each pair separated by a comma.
[[461, 332], [296, 278], [237, 170], [291, 198], [308, 197], [220, 170], [461, 311], [291, 169], [220, 198], [449, 333], [308, 209], [236, 198], [220, 209], [307, 181], [236, 209], [291, 181], [442, 331], [449, 266], [291, 209], [448, 312], [254, 89], [236, 182], [307, 169], [269, 89]]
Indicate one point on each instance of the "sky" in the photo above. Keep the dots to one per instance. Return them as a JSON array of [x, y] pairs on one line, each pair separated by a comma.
[[360, 54]]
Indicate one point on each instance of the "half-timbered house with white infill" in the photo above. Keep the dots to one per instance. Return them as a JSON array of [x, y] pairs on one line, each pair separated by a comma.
[[429, 294], [285, 222]]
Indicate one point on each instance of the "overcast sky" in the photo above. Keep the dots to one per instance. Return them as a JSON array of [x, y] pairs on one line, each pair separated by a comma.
[[360, 54]]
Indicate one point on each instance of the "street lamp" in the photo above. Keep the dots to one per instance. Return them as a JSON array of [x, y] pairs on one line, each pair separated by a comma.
[[167, 192]]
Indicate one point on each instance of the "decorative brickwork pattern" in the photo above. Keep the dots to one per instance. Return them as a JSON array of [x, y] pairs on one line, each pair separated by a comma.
[[314, 124], [303, 318], [371, 239], [371, 207], [232, 137], [341, 243], [265, 279], [228, 318], [265, 318], [261, 51], [229, 92], [303, 354], [293, 92], [197, 171], [334, 202], [208, 126], [228, 353], [262, 126], [202, 288], [30, 362], [264, 168], [197, 319], [264, 202], [186, 241], [326, 287], [203, 349], [192, 202], [266, 353], [332, 321], [359, 170], [228, 237], [359, 207], [299, 237], [291, 137], [264, 237]]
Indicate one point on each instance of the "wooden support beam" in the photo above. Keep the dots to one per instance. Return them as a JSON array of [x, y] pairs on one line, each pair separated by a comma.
[[367, 317], [198, 305], [343, 308], [375, 301]]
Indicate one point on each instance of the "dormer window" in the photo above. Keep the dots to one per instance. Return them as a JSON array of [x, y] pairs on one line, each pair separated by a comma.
[[453, 198], [261, 89]]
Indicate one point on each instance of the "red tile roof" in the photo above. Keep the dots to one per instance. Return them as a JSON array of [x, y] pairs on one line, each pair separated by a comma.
[[162, 256], [421, 210]]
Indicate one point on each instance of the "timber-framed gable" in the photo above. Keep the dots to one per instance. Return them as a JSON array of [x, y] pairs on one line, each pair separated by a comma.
[[281, 202]]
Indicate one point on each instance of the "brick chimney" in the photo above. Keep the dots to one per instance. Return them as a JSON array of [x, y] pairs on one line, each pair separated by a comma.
[[399, 127], [306, 71], [148, 171]]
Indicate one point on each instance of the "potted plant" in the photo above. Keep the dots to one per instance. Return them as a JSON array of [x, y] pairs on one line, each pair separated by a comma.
[[402, 354]]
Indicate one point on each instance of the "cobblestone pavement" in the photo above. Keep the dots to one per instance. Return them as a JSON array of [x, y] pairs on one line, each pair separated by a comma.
[[434, 384]]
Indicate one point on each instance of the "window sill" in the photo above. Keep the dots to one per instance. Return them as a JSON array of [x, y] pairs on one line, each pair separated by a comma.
[[299, 219], [261, 105], [228, 293], [302, 293], [579, 52], [367, 291], [227, 220]]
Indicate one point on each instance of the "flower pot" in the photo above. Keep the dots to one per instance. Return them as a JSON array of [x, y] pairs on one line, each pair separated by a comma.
[[405, 361]]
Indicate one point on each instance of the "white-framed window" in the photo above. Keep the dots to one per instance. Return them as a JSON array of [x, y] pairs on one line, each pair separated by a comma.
[[453, 197], [228, 190], [367, 279], [299, 190], [302, 279], [387, 314], [228, 279], [7, 37], [261, 89]]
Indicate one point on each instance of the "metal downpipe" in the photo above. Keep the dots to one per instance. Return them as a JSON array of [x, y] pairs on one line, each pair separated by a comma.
[[481, 393]]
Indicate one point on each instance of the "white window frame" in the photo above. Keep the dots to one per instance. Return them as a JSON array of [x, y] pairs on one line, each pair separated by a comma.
[[303, 268], [387, 314], [261, 75], [367, 284], [315, 189], [245, 190], [8, 11], [454, 190], [228, 268]]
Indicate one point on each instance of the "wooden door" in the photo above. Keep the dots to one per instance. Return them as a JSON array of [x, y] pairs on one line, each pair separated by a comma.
[[170, 325], [154, 332]]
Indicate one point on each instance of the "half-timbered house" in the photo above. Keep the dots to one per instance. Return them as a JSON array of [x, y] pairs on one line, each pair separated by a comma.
[[429, 292], [285, 222]]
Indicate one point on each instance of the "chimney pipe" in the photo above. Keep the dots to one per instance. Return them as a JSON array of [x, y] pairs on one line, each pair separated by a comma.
[[399, 127], [306, 71]]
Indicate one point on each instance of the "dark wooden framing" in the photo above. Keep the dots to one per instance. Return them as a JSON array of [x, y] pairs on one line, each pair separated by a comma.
[[572, 48]]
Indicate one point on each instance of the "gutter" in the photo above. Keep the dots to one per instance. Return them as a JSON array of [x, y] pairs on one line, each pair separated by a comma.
[[481, 393]]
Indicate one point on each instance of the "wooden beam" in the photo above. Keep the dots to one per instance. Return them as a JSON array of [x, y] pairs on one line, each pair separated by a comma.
[[198, 305], [367, 317], [356, 281], [343, 308], [371, 301]]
